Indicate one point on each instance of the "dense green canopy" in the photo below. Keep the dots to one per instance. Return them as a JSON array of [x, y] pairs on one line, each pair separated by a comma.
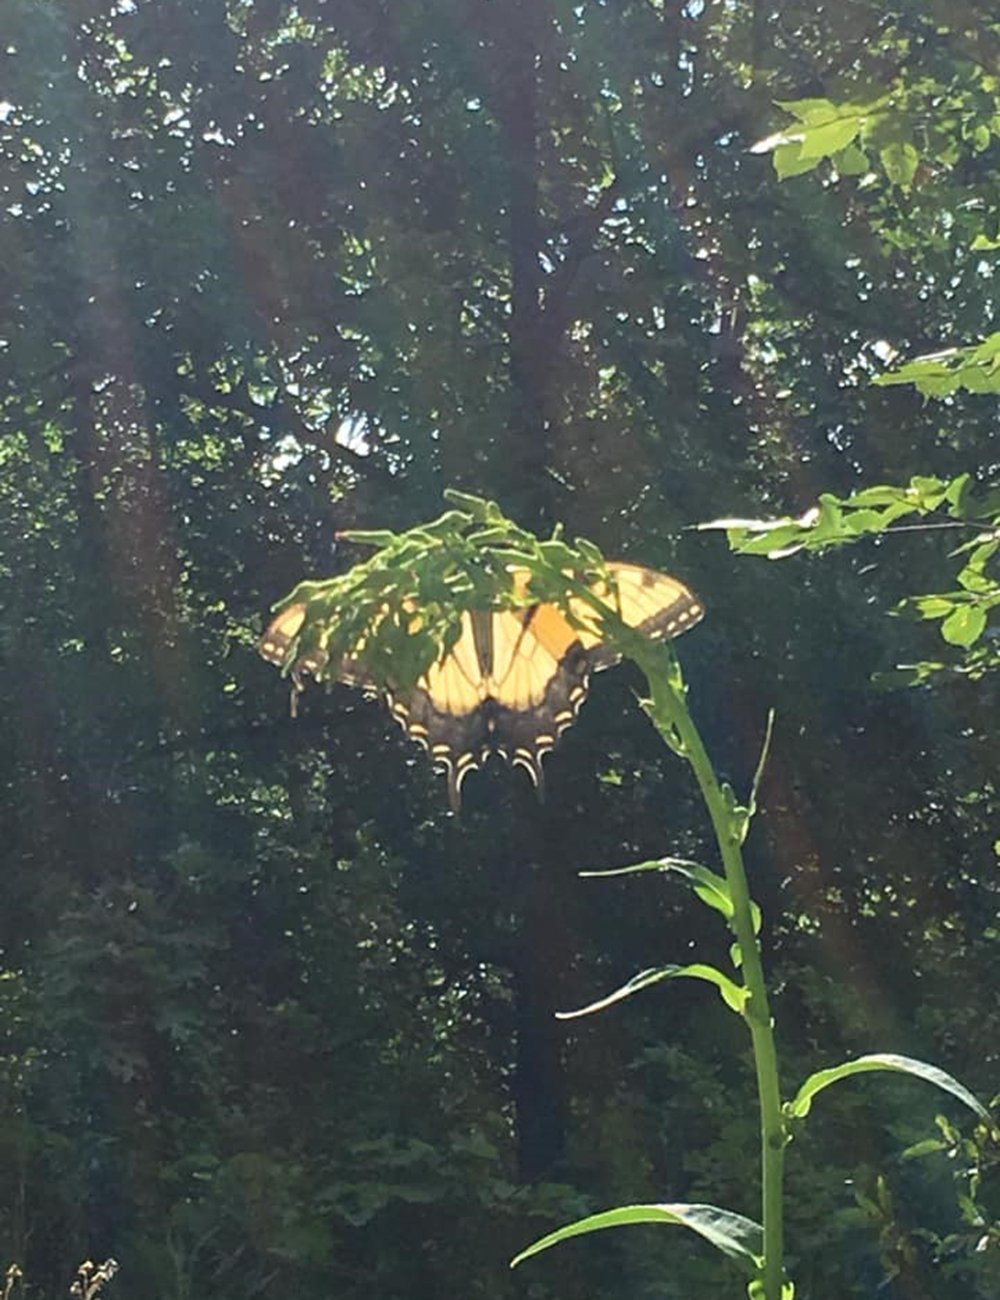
[[272, 1020]]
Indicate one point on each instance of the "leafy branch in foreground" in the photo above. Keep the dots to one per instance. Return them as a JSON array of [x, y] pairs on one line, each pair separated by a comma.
[[914, 131], [470, 555], [965, 614]]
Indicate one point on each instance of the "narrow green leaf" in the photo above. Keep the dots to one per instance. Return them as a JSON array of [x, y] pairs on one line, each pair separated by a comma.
[[731, 993], [738, 1237], [710, 888], [928, 1147], [589, 551], [379, 537], [759, 771], [802, 1103], [478, 508]]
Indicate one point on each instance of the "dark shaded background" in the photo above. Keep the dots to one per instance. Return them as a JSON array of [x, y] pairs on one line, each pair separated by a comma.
[[271, 1020]]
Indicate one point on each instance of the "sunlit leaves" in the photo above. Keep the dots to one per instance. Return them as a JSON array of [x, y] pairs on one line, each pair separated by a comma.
[[975, 368], [841, 132], [964, 614]]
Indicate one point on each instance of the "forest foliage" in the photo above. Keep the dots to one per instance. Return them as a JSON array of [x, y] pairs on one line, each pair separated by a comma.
[[272, 1020]]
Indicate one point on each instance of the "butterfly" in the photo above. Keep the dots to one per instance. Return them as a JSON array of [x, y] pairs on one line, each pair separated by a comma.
[[515, 679]]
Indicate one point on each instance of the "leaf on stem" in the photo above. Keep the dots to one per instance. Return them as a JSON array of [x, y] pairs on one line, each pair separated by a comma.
[[756, 1290], [712, 889], [802, 1103], [738, 814], [765, 749], [731, 993], [738, 1237]]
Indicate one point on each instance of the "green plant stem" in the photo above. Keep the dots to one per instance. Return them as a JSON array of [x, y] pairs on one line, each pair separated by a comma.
[[671, 717]]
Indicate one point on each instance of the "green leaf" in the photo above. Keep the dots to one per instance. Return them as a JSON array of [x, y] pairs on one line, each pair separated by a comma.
[[987, 350], [958, 495], [830, 137], [809, 110], [860, 522], [788, 160], [929, 1146], [738, 1237], [802, 1103], [852, 161], [731, 993], [972, 578], [379, 537], [881, 494], [756, 1290], [710, 888], [931, 606], [900, 162], [759, 771], [964, 625], [737, 814]]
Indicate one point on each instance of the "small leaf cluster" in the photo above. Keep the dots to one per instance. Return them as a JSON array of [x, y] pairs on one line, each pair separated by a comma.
[[975, 367], [922, 123], [402, 607], [975, 1158], [963, 613], [847, 134]]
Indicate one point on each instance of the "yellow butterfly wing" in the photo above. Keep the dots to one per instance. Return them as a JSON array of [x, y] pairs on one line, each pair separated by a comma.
[[515, 679]]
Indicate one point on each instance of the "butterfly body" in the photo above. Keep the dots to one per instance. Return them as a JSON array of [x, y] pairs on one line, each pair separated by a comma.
[[515, 679]]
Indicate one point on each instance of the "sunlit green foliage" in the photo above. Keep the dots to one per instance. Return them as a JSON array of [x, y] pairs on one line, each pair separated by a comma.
[[964, 614]]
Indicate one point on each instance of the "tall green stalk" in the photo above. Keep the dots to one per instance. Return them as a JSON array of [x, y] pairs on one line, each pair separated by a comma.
[[672, 719]]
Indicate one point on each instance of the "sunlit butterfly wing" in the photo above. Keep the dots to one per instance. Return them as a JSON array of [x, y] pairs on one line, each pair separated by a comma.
[[515, 679]]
